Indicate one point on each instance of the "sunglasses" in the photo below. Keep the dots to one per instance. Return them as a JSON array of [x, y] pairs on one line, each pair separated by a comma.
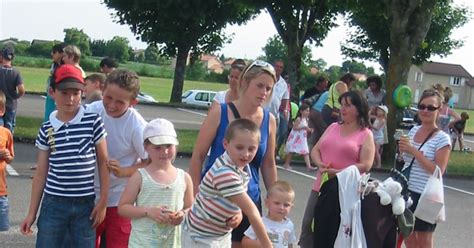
[[428, 107], [263, 65]]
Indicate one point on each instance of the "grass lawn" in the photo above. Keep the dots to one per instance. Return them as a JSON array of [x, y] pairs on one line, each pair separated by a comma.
[[159, 88], [460, 163]]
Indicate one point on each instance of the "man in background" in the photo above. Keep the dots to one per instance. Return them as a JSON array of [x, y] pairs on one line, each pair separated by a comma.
[[12, 85]]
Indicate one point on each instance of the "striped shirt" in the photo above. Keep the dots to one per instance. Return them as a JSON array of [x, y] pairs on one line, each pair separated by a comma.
[[212, 207], [72, 158], [418, 175]]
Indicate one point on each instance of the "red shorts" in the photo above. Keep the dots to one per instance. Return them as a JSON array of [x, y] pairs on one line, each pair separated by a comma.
[[117, 230]]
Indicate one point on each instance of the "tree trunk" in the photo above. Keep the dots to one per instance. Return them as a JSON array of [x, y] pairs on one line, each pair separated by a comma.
[[410, 22], [293, 67], [179, 70]]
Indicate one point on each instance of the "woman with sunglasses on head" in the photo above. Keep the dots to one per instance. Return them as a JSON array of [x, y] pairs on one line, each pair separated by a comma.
[[255, 88], [435, 152], [345, 143]]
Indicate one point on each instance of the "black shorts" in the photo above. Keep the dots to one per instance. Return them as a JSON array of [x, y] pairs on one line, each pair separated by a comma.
[[238, 232], [420, 225]]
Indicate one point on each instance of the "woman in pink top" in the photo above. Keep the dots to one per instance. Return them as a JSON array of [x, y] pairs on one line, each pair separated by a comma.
[[349, 142]]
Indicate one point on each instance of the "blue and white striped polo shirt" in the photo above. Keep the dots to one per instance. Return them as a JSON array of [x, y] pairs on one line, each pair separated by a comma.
[[72, 158]]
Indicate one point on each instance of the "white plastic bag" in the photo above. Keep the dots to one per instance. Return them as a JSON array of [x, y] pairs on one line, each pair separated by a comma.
[[430, 207]]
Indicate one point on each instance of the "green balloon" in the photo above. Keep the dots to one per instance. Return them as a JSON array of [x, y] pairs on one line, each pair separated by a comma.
[[294, 110], [402, 96]]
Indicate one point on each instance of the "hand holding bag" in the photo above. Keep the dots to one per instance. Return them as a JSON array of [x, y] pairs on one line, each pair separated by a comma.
[[431, 203]]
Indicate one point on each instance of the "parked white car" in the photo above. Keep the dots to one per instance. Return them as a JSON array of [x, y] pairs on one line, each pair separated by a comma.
[[198, 97], [145, 98]]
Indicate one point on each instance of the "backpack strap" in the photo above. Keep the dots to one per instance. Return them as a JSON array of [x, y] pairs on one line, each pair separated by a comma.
[[419, 148], [234, 110]]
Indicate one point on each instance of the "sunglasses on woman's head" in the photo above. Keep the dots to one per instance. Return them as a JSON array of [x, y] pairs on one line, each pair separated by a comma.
[[428, 107], [262, 64]]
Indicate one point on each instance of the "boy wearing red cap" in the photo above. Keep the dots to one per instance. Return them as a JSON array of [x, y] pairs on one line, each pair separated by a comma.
[[70, 145]]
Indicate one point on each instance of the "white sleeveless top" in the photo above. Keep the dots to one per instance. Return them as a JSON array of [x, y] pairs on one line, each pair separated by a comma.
[[145, 231]]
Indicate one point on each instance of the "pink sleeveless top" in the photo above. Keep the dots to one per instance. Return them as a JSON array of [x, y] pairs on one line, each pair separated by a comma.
[[341, 152]]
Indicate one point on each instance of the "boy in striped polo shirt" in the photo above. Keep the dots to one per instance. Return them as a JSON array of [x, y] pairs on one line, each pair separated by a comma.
[[71, 144], [223, 192]]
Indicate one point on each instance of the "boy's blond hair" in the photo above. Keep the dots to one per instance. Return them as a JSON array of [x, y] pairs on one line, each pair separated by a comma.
[[97, 78], [74, 52], [125, 79], [283, 187]]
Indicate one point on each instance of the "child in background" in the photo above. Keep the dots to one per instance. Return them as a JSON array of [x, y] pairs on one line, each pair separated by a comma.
[[72, 56], [280, 228], [124, 126], [107, 65], [57, 53], [458, 131], [6, 157], [297, 139], [223, 192], [157, 196], [71, 146], [93, 89], [378, 127]]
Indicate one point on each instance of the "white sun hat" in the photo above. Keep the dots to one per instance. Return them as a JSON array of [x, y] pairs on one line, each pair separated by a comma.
[[160, 132]]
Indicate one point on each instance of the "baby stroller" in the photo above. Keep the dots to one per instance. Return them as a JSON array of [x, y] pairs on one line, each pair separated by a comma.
[[346, 218]]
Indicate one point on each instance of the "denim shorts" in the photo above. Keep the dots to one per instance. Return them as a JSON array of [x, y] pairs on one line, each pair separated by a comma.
[[61, 215], [4, 223], [189, 239]]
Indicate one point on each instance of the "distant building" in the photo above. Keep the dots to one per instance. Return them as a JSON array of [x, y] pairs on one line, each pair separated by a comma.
[[212, 63], [11, 42], [38, 42], [452, 75]]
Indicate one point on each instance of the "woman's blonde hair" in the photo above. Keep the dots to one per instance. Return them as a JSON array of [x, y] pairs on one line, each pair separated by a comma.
[[445, 92], [252, 71]]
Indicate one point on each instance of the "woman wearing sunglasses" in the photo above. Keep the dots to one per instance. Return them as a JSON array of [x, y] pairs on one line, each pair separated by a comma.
[[255, 88], [435, 152]]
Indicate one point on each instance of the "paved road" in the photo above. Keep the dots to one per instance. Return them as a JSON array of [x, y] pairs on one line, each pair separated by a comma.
[[455, 232], [33, 105]]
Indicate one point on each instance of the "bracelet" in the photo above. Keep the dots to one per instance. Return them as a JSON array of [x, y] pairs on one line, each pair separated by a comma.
[[146, 212]]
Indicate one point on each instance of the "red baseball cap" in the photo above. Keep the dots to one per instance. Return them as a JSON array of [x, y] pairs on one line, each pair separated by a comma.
[[68, 77]]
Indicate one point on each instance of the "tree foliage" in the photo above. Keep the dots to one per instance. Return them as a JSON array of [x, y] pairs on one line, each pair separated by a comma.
[[396, 33], [41, 49], [354, 67], [77, 37], [180, 26], [371, 23], [117, 48], [298, 22], [98, 48]]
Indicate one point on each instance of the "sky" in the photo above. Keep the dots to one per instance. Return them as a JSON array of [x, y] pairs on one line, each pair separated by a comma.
[[46, 20]]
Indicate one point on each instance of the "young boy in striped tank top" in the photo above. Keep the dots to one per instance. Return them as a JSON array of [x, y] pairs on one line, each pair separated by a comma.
[[157, 196], [71, 145], [223, 192]]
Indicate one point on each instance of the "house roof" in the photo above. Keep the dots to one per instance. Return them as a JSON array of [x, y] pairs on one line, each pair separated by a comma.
[[445, 69]]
